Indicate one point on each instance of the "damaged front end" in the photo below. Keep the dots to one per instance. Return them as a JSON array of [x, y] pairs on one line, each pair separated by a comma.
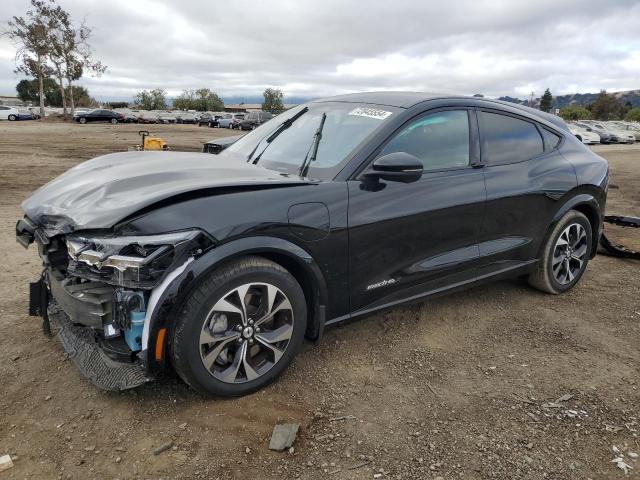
[[100, 291]]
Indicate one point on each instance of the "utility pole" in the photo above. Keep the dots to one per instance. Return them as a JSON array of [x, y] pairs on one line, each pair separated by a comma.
[[531, 99]]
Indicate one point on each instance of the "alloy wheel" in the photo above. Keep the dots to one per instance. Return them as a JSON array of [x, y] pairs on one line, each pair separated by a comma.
[[569, 254], [246, 332]]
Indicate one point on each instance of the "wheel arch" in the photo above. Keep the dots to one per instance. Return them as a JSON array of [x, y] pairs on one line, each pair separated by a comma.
[[587, 204], [290, 256]]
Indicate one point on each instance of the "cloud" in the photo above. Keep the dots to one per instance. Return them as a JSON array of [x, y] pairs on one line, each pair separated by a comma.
[[311, 49]]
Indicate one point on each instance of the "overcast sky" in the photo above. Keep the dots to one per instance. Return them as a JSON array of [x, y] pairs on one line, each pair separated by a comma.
[[316, 48]]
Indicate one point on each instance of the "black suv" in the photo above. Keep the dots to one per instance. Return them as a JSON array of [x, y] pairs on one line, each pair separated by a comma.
[[253, 120], [218, 266]]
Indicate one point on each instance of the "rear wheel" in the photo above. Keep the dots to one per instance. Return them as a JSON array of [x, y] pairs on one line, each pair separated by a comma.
[[114, 120], [240, 328], [82, 120], [565, 255]]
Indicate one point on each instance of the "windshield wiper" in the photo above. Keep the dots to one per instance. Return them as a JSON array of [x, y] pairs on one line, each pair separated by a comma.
[[281, 128], [304, 168]]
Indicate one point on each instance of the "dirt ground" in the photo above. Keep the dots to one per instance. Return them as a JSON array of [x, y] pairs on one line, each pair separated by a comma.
[[500, 381]]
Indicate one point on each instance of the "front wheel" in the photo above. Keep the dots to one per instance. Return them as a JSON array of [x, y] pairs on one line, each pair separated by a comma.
[[565, 254], [12, 118], [240, 329], [114, 120]]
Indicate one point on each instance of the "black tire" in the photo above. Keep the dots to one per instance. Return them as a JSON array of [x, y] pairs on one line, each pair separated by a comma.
[[186, 347], [82, 120], [544, 278], [114, 120], [12, 118]]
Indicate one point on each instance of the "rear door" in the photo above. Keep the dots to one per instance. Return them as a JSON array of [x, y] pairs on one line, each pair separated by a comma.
[[409, 239], [526, 177]]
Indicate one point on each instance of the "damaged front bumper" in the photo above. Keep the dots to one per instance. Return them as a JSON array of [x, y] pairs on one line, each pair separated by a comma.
[[113, 329], [76, 315]]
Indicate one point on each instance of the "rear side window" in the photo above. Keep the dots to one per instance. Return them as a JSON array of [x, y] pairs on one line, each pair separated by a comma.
[[507, 139], [551, 140], [440, 140]]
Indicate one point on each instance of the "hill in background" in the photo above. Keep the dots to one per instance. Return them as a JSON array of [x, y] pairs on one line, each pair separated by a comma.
[[580, 99]]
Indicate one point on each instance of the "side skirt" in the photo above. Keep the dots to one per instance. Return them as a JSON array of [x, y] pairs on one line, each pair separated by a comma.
[[511, 271]]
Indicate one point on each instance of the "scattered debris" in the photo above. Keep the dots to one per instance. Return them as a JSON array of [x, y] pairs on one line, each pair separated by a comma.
[[163, 448], [5, 462], [346, 417], [620, 463], [283, 436], [47, 398], [632, 455], [15, 358], [619, 250], [564, 398], [183, 425]]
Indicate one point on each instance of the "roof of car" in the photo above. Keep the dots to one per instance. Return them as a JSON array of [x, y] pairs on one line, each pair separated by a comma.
[[409, 99], [393, 99]]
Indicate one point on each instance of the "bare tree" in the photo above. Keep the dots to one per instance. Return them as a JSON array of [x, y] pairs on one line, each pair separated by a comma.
[[32, 35], [71, 50]]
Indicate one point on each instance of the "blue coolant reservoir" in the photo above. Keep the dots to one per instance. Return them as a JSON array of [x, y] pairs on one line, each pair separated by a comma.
[[133, 335]]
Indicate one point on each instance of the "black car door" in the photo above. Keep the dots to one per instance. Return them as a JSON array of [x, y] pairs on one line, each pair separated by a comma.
[[526, 177], [407, 239]]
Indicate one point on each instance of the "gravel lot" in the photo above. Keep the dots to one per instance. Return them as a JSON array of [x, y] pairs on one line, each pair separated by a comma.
[[500, 381]]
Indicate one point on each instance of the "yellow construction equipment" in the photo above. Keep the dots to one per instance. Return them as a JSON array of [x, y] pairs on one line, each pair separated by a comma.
[[150, 143]]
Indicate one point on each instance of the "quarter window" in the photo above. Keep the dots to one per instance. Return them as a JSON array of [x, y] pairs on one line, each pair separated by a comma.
[[551, 140], [440, 140], [507, 139]]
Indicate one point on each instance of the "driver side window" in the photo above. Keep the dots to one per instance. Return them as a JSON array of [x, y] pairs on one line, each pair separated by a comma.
[[440, 140]]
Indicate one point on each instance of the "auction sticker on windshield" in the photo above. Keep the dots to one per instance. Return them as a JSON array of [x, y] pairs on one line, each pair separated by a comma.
[[370, 113]]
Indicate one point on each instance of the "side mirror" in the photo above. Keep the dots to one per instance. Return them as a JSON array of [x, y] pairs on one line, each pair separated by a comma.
[[396, 167]]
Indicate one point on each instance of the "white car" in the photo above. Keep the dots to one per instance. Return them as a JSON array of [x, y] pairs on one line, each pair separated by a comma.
[[623, 135], [584, 135], [9, 113]]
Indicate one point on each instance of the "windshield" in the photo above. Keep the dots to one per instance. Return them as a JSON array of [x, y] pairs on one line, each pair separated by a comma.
[[346, 125]]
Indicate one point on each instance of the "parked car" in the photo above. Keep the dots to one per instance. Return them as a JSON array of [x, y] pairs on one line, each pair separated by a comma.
[[147, 117], [187, 117], [230, 120], [9, 113], [209, 119], [253, 120], [219, 267], [167, 117], [606, 135], [217, 145], [99, 115], [628, 128], [622, 136], [129, 116], [585, 136]]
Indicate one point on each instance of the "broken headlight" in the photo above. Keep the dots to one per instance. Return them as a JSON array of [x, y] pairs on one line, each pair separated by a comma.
[[133, 261]]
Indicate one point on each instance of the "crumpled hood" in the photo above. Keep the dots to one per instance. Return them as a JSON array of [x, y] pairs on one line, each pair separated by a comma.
[[100, 192]]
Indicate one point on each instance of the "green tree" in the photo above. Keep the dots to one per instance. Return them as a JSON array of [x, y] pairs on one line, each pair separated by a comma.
[[273, 101], [633, 115], [202, 100], [155, 99], [546, 101], [208, 101], [185, 101], [29, 91], [574, 112], [607, 107]]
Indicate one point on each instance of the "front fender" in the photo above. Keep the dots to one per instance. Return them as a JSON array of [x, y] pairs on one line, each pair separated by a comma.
[[184, 280]]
